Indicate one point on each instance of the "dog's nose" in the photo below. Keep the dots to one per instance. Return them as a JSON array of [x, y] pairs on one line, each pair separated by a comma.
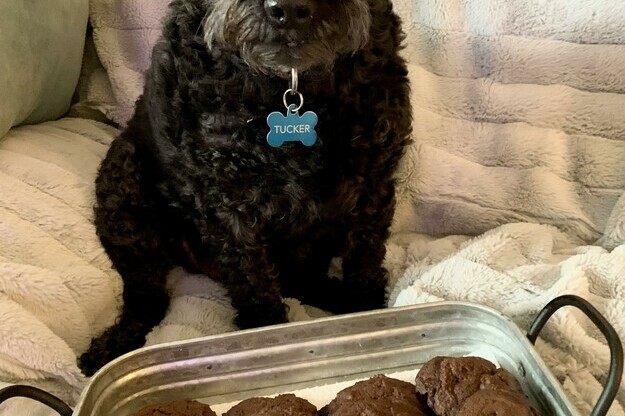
[[290, 13]]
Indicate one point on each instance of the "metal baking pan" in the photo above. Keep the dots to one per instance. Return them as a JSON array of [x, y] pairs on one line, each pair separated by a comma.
[[289, 357]]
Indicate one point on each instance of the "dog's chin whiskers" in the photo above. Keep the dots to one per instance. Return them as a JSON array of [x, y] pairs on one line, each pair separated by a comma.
[[201, 25], [249, 56], [244, 36]]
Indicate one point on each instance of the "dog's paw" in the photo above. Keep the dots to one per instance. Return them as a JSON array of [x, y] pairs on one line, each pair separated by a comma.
[[116, 341], [261, 316], [92, 360], [362, 304], [365, 296]]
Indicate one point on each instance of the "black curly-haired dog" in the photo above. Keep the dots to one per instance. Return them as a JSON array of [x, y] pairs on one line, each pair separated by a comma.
[[192, 180]]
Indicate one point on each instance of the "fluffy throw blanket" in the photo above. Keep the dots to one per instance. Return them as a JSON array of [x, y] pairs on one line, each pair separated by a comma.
[[124, 32], [518, 121], [518, 114], [510, 196]]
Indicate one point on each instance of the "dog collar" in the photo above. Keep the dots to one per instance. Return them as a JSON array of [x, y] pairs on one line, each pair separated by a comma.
[[291, 127]]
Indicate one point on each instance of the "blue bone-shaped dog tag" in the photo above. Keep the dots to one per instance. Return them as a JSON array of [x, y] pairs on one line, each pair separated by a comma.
[[292, 127]]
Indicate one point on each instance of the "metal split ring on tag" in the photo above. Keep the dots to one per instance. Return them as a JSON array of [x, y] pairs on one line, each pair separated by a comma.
[[292, 127], [286, 103]]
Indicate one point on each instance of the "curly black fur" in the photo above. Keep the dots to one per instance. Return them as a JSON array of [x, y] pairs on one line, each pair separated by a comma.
[[192, 181]]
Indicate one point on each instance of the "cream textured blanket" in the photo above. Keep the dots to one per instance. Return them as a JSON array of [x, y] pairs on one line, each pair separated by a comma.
[[57, 289], [518, 114], [519, 120], [518, 155]]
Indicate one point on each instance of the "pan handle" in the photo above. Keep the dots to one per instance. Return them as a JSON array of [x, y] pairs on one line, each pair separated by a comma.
[[39, 395], [615, 373]]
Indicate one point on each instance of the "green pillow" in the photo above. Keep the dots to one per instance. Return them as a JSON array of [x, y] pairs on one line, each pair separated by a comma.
[[41, 47]]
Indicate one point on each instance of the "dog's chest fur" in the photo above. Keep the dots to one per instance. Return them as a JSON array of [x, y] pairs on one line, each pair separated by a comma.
[[223, 166]]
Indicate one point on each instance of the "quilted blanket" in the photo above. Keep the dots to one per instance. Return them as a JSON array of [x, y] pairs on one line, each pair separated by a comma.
[[511, 195], [57, 288]]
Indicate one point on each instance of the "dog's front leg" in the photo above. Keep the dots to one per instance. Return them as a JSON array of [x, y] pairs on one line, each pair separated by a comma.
[[253, 286], [364, 276], [130, 230]]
